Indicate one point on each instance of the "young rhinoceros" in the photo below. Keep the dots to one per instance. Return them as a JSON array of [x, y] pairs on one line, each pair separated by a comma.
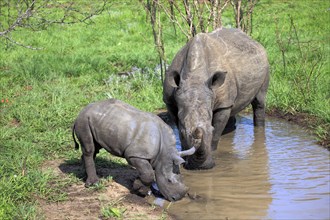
[[147, 143]]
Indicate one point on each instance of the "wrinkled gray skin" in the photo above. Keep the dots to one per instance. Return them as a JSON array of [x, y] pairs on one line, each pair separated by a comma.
[[147, 143], [212, 78]]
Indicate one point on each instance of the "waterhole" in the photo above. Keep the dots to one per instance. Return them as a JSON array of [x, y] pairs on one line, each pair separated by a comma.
[[278, 172]]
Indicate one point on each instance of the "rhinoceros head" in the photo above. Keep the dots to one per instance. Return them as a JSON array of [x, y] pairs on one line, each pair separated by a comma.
[[168, 175], [195, 102]]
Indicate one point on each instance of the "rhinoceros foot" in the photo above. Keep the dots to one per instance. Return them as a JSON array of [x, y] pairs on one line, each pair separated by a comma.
[[140, 188], [91, 181]]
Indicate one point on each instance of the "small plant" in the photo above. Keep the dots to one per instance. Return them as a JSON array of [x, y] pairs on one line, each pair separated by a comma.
[[101, 185], [113, 210]]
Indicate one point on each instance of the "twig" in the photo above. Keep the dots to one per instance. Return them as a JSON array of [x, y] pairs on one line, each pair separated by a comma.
[[19, 19], [21, 45]]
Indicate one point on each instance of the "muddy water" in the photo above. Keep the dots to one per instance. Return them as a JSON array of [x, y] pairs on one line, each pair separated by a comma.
[[274, 173]]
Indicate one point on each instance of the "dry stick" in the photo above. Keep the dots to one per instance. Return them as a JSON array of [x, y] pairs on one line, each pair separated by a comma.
[[155, 33], [296, 34], [199, 16], [29, 13], [281, 45], [172, 14], [237, 10], [219, 14], [176, 20], [68, 9], [162, 49], [210, 16], [214, 12], [19, 19], [250, 12], [192, 29], [22, 45]]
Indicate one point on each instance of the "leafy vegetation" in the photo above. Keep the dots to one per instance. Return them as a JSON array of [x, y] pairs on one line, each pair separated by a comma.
[[42, 91]]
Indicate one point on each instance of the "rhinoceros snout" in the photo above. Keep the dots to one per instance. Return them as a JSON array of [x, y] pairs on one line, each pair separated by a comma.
[[178, 196]]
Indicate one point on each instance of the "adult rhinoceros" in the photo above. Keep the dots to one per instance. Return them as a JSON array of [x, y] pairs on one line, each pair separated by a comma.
[[142, 138], [213, 77]]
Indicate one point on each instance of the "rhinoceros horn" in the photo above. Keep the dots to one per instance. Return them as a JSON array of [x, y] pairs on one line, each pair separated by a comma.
[[188, 152]]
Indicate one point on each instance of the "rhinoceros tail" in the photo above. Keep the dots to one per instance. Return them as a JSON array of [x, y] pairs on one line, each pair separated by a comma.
[[76, 145]]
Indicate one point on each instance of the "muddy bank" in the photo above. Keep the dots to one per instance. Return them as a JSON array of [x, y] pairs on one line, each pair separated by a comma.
[[85, 204], [307, 121]]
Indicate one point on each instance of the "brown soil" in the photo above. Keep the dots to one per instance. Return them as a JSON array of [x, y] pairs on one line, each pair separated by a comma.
[[82, 203]]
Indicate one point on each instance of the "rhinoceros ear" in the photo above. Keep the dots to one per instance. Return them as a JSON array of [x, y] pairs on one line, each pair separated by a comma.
[[174, 78], [217, 79]]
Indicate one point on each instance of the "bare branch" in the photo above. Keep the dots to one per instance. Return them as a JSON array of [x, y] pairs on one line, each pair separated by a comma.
[[175, 20], [21, 45], [28, 13], [192, 29], [199, 11], [33, 15]]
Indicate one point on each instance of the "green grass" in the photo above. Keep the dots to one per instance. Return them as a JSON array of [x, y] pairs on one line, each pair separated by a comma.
[[301, 30], [79, 63], [296, 37]]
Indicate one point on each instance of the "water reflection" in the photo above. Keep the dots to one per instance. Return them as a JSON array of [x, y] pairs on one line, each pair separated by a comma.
[[273, 173], [299, 174]]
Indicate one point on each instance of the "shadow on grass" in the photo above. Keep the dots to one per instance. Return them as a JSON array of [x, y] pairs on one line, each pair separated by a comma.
[[121, 173]]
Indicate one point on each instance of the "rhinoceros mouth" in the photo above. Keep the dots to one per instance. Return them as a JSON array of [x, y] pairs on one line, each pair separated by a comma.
[[194, 165], [199, 160]]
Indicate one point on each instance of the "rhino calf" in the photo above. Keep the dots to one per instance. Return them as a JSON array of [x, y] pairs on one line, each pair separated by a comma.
[[147, 143]]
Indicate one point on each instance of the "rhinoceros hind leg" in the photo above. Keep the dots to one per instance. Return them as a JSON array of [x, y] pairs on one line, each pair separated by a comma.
[[258, 113], [89, 153], [258, 106], [89, 163]]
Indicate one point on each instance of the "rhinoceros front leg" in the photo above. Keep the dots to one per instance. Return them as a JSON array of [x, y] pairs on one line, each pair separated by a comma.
[[146, 175], [219, 122]]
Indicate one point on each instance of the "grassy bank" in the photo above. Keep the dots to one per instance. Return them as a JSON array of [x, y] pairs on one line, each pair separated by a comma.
[[43, 90], [296, 37]]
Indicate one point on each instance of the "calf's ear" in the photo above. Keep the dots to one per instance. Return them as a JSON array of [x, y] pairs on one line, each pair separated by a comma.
[[177, 160]]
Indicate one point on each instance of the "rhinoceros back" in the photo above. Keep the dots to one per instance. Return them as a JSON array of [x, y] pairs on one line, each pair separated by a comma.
[[245, 62], [124, 130]]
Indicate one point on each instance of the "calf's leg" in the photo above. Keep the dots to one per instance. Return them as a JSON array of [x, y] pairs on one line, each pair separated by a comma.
[[146, 175], [88, 156]]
